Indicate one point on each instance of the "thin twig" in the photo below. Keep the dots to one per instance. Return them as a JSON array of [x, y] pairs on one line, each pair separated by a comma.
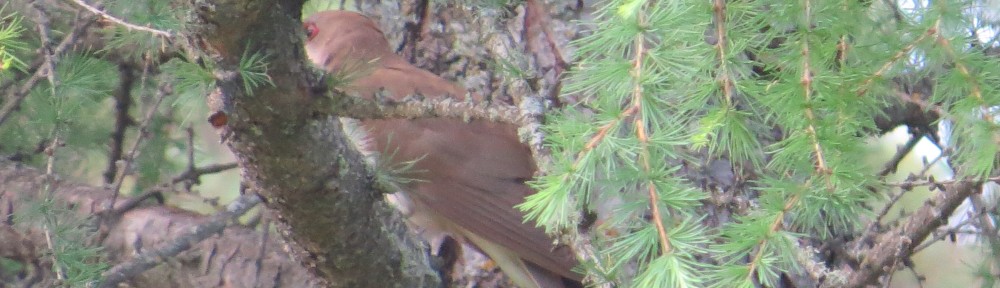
[[162, 93], [194, 173], [901, 153], [928, 165], [863, 88], [259, 262], [895, 198], [190, 158], [807, 87], [976, 91], [820, 164], [49, 190], [643, 136], [123, 102], [15, 101], [986, 224], [934, 182], [48, 56], [885, 209], [724, 79], [114, 19], [191, 175], [955, 228]]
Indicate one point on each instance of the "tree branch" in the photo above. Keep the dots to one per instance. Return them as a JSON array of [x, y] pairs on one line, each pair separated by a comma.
[[894, 245], [121, 22], [415, 106], [305, 169]]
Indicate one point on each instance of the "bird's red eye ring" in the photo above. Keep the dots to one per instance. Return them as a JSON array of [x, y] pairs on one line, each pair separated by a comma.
[[311, 30]]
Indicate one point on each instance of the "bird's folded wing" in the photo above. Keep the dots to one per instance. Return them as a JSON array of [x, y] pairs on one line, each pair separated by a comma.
[[479, 173]]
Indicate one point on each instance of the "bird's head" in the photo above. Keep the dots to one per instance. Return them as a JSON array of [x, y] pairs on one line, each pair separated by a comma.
[[335, 35]]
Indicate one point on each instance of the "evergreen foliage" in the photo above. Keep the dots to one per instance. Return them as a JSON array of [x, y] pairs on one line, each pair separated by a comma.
[[789, 90]]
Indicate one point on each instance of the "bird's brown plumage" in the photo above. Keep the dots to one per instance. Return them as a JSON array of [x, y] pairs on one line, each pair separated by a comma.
[[471, 174]]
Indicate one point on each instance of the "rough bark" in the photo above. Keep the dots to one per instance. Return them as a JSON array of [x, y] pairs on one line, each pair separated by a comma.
[[298, 159]]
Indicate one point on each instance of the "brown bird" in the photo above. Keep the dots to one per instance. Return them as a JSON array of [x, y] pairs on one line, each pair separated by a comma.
[[469, 175]]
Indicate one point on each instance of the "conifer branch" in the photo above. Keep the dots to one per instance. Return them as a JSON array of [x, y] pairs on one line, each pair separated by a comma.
[[976, 92], [776, 225], [863, 88], [602, 132], [807, 89], [725, 81], [931, 182], [642, 134], [820, 163]]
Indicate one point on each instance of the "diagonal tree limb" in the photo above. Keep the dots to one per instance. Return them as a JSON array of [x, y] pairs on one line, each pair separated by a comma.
[[884, 249], [301, 164]]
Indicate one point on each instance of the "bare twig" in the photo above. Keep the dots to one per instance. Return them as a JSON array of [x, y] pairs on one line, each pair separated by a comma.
[[190, 147], [49, 188], [259, 262], [540, 42], [929, 164], [188, 176], [163, 91], [940, 234], [895, 197], [986, 224], [885, 209], [20, 94], [194, 173], [114, 19], [933, 182], [48, 55], [901, 152], [153, 257], [123, 102]]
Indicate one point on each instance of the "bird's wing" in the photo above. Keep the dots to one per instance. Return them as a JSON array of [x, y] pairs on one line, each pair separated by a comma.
[[479, 173], [479, 169]]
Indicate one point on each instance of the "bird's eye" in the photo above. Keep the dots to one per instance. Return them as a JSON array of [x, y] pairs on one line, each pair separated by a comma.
[[311, 30]]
